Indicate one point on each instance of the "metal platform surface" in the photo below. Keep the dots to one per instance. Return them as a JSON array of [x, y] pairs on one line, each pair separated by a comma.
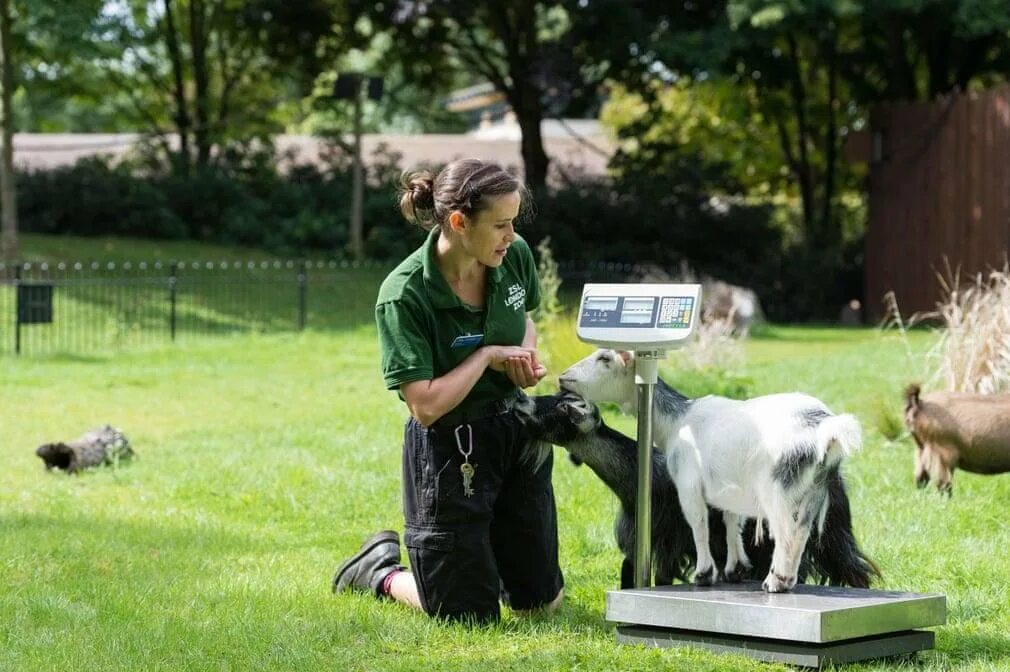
[[815, 614]]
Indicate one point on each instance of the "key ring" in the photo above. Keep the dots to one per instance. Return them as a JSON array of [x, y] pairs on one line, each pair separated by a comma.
[[459, 442]]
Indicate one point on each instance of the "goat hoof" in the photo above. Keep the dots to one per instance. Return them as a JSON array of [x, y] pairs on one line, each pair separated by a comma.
[[774, 583], [705, 578], [736, 574]]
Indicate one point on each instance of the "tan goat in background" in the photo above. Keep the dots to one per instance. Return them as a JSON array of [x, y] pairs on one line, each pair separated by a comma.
[[956, 429]]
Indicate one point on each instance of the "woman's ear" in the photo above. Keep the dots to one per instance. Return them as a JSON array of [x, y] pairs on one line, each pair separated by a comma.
[[457, 222]]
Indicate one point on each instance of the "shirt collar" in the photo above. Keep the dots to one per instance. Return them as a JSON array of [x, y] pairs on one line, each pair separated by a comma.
[[439, 291]]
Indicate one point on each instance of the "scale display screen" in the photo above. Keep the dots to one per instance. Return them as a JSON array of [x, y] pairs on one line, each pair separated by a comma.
[[638, 311], [638, 314], [664, 312]]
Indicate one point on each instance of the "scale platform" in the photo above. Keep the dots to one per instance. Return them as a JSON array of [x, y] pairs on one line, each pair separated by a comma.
[[811, 626]]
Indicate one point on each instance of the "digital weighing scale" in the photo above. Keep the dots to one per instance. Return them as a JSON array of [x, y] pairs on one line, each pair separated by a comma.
[[809, 626]]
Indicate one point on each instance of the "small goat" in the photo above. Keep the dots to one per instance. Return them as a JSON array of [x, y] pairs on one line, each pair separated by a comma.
[[567, 420], [954, 429], [768, 458], [104, 445]]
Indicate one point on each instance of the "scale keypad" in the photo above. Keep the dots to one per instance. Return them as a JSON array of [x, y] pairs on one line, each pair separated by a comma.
[[675, 311]]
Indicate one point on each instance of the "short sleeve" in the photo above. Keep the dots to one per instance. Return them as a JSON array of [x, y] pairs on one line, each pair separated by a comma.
[[406, 353], [531, 280]]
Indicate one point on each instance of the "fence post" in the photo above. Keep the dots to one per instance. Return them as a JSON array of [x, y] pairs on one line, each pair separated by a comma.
[[173, 282], [302, 294], [17, 309]]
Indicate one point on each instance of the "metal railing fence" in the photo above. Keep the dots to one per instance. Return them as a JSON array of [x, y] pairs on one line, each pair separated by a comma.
[[78, 307]]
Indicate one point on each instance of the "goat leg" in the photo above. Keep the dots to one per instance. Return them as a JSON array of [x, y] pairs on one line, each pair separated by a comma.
[[737, 563], [692, 502]]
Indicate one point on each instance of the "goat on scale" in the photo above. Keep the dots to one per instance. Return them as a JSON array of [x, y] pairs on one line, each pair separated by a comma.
[[770, 458]]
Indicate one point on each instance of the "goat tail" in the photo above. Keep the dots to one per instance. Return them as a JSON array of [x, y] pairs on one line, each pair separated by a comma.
[[835, 554], [912, 395], [838, 436]]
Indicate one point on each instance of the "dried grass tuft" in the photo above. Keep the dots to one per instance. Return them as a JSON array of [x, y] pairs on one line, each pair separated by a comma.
[[972, 353], [716, 345]]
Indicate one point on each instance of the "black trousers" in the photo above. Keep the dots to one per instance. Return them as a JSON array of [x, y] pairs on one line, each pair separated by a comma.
[[470, 551]]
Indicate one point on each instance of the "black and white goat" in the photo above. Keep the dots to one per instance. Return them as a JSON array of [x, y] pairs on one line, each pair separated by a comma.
[[832, 554], [769, 458]]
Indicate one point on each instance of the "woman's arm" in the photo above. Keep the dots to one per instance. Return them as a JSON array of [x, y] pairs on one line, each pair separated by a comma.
[[429, 400]]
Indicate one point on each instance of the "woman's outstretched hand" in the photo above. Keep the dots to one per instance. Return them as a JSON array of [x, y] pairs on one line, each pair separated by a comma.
[[521, 365]]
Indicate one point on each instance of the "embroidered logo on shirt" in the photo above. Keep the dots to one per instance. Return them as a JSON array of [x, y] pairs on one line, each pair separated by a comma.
[[516, 298]]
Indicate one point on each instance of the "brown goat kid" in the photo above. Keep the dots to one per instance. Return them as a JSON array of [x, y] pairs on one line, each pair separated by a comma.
[[955, 429]]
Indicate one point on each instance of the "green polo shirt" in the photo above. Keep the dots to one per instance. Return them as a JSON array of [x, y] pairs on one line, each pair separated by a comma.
[[425, 330]]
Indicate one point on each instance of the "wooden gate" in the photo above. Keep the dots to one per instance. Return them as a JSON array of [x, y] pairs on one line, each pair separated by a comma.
[[939, 188]]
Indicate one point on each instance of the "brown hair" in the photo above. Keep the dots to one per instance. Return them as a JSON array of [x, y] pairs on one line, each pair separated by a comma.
[[465, 185]]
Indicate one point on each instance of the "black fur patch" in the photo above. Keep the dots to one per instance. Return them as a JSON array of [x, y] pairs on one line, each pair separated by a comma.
[[670, 402], [788, 469], [811, 417]]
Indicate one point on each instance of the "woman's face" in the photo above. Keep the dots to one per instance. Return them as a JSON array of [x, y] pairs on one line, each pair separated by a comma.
[[490, 232]]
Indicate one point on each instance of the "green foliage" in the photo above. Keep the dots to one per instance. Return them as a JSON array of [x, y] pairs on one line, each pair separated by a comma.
[[700, 382], [558, 346], [247, 201], [93, 197], [550, 281], [887, 420]]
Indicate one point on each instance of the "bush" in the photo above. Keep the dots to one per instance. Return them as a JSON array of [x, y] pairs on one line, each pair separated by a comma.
[[93, 198], [663, 214]]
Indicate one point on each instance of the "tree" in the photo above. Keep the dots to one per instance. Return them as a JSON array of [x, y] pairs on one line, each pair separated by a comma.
[[8, 195], [209, 71], [811, 70], [543, 56]]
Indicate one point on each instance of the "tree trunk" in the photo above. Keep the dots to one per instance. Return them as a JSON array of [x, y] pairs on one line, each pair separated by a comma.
[[182, 121], [525, 102], [830, 232], [201, 77], [8, 191], [802, 167], [515, 25], [535, 159]]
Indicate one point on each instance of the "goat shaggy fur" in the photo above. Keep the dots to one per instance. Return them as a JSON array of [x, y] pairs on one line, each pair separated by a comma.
[[768, 458], [831, 556], [104, 445], [954, 429]]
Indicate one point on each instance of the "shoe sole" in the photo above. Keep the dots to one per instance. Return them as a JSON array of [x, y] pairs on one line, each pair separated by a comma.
[[384, 537]]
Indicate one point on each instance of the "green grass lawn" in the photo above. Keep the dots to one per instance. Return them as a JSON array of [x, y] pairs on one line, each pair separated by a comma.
[[263, 460]]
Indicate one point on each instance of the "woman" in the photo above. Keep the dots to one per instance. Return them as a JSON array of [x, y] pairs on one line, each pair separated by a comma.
[[458, 345]]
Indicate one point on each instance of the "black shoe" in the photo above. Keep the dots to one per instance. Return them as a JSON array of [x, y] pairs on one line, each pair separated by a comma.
[[366, 569]]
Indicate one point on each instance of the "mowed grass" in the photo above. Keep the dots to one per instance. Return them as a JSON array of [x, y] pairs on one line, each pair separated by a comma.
[[265, 460]]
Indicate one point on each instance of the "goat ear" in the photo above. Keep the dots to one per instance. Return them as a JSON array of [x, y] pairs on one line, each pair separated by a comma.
[[626, 356]]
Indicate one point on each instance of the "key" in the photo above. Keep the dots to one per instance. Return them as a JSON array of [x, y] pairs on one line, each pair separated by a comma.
[[467, 470]]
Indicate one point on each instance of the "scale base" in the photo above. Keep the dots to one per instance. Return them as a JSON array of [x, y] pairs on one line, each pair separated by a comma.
[[804, 654], [809, 626]]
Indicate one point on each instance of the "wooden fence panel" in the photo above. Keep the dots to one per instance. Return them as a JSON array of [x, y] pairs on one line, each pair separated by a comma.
[[939, 194]]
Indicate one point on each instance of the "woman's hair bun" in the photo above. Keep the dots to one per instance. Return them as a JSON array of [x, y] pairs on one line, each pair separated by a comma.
[[417, 199]]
